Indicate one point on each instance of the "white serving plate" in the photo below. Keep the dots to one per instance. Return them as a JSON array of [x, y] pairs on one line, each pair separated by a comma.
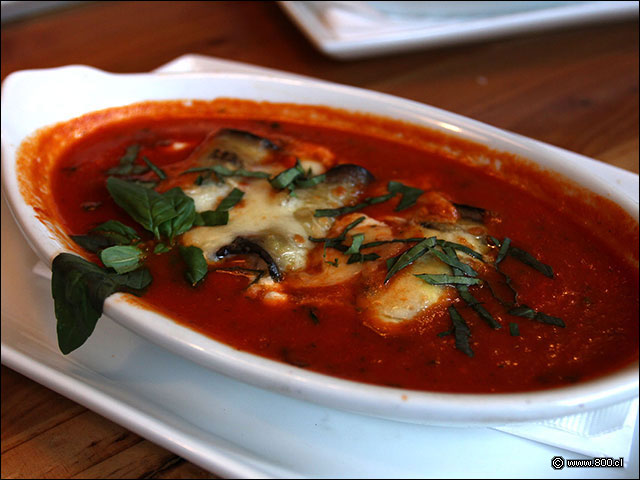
[[349, 30], [33, 99]]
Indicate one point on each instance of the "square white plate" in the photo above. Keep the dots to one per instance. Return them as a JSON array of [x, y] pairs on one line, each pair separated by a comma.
[[349, 30], [234, 429]]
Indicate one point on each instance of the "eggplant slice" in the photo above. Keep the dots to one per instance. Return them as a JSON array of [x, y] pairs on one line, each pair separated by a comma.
[[244, 246], [233, 149], [469, 212], [349, 174]]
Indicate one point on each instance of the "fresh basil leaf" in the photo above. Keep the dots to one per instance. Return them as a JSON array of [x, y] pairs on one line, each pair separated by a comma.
[[197, 267], [122, 258], [409, 194], [444, 279], [133, 282], [79, 289], [106, 235], [157, 170], [148, 184], [120, 232], [185, 208], [408, 257], [93, 243], [161, 248], [145, 206]]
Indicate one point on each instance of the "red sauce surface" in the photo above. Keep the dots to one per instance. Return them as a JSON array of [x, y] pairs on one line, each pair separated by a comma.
[[595, 289]]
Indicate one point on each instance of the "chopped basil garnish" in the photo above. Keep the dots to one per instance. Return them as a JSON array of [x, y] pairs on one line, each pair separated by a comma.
[[504, 248], [482, 312], [334, 212], [223, 171], [336, 242], [522, 256], [287, 177], [409, 195], [157, 170], [395, 240], [212, 218], [461, 332], [449, 257], [362, 257], [356, 242], [314, 317], [295, 177], [528, 312], [79, 289], [444, 279], [231, 200], [531, 261], [127, 164], [220, 216], [311, 181], [461, 248], [514, 329], [409, 256]]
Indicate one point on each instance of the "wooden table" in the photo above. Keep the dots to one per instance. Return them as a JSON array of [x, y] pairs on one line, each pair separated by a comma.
[[576, 88]]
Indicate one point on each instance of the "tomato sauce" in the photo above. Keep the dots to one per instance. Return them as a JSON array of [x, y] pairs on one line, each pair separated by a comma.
[[594, 290]]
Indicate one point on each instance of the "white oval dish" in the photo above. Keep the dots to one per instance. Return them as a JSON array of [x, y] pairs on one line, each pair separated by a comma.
[[38, 98]]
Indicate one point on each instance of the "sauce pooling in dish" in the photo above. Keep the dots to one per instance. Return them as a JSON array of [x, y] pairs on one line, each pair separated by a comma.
[[354, 254]]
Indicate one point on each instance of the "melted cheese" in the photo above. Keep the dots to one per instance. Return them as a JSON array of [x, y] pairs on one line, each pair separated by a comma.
[[282, 224], [264, 215], [407, 295]]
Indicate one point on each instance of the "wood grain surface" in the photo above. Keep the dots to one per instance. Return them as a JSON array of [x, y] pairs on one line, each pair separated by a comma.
[[576, 88]]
